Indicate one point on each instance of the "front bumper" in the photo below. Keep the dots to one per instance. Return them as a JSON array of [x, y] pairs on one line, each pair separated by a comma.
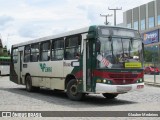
[[106, 88]]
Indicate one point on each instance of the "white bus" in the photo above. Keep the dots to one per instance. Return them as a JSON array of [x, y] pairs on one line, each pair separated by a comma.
[[95, 59], [4, 65]]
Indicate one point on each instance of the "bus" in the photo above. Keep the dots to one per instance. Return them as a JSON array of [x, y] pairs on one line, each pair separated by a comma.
[[97, 59], [5, 65]]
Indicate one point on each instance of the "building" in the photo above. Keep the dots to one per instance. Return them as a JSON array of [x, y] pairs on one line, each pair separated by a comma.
[[146, 19], [3, 50], [143, 17]]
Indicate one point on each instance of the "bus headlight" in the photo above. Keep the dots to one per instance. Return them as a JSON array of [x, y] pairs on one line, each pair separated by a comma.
[[104, 81], [109, 82], [139, 80]]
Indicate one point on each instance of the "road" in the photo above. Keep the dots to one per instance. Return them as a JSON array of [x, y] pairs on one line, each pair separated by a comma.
[[14, 97]]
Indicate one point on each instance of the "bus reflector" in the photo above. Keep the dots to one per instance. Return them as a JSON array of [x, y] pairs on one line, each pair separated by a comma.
[[133, 65]]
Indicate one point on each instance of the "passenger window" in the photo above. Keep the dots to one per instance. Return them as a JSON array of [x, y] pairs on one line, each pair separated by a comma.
[[34, 52], [45, 51], [27, 53], [58, 49], [15, 55], [72, 47]]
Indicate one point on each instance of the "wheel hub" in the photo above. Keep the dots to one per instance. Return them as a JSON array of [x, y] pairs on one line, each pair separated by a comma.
[[73, 89], [28, 86]]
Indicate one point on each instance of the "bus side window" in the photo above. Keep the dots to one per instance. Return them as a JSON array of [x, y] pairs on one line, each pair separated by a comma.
[[58, 49], [45, 51], [72, 47], [15, 55], [27, 53], [34, 52]]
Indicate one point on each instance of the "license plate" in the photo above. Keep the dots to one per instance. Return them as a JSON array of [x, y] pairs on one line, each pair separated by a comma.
[[140, 86], [123, 88]]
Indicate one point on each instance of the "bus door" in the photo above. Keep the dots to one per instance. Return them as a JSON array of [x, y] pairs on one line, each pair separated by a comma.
[[87, 65], [20, 65]]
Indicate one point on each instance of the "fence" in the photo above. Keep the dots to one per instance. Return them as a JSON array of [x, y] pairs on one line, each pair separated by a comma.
[[152, 72]]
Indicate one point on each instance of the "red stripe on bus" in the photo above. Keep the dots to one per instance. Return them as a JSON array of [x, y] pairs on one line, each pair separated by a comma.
[[79, 74]]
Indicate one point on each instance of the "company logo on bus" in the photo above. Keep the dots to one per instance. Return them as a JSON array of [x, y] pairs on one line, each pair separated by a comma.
[[45, 68]]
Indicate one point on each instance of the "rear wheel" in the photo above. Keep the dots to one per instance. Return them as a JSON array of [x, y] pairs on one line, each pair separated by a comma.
[[109, 95], [72, 92], [29, 86]]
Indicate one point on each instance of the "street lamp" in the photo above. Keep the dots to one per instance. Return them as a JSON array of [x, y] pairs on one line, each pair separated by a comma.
[[153, 60]]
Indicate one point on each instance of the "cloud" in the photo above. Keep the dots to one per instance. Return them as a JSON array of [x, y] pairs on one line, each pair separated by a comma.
[[46, 3], [41, 28], [35, 29], [29, 19], [5, 20]]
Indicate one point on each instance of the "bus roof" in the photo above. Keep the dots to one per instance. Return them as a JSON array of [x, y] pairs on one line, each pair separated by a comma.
[[73, 32]]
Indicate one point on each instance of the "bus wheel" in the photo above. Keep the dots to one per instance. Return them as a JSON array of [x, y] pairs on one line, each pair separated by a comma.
[[29, 87], [72, 91], [109, 95]]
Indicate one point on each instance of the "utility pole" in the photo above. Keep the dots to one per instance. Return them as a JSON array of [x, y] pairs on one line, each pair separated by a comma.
[[106, 16], [115, 13]]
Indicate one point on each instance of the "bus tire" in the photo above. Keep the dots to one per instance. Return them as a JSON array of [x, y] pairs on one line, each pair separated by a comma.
[[36, 89], [29, 86], [109, 95], [72, 91]]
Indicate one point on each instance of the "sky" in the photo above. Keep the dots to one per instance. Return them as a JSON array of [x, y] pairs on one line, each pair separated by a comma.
[[24, 20]]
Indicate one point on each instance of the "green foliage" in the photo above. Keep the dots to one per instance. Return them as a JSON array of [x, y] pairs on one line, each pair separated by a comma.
[[148, 56], [4, 52]]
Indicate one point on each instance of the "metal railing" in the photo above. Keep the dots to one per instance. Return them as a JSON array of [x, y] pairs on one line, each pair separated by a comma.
[[152, 72]]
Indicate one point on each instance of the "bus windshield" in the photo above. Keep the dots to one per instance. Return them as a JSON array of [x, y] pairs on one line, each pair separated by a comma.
[[115, 52]]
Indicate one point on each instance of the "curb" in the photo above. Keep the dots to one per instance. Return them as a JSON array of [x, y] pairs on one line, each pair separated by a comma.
[[152, 84]]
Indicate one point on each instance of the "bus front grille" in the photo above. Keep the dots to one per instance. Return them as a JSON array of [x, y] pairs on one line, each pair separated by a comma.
[[123, 78]]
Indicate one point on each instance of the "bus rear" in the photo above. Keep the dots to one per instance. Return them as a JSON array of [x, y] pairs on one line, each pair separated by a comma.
[[5, 65]]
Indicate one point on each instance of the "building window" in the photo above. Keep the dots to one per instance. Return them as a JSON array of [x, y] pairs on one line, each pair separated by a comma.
[[34, 52], [58, 49], [151, 22], [135, 25], [45, 51], [143, 24], [129, 25], [27, 53], [158, 19]]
